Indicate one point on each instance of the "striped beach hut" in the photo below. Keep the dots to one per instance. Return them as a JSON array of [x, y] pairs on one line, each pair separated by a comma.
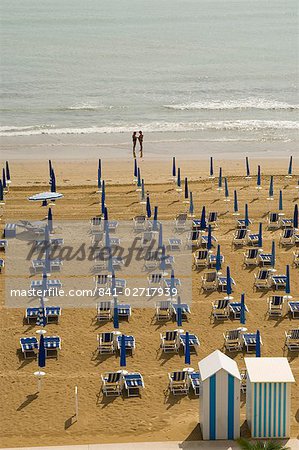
[[268, 397], [220, 400]]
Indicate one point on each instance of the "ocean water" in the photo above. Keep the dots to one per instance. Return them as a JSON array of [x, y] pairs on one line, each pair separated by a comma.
[[227, 69]]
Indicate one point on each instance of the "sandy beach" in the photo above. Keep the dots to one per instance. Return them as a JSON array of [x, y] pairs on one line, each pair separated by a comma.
[[30, 419]]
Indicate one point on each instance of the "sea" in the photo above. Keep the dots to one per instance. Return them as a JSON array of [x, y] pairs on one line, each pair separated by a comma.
[[227, 69]]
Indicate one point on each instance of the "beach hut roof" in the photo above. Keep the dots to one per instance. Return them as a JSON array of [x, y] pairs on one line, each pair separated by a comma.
[[215, 362], [269, 370]]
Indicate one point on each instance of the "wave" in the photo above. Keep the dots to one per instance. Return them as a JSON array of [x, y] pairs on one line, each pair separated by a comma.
[[247, 103], [221, 125], [86, 107]]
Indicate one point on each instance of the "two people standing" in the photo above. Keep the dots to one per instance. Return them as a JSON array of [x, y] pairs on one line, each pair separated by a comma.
[[140, 139]]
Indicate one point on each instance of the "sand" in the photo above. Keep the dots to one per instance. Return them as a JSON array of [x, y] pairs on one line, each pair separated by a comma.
[[28, 419]]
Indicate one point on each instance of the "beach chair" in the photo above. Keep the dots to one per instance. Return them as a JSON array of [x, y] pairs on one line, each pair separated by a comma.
[[172, 284], [235, 309], [253, 239], [96, 222], [210, 281], [179, 382], [192, 239], [174, 243], [37, 227], [52, 346], [222, 283], [193, 341], [265, 259], [112, 383], [151, 260], [106, 342], [129, 343], [287, 237], [273, 221], [275, 305], [212, 260], [2, 264], [241, 223], [204, 240], [233, 340], [243, 385], [148, 238], [29, 347], [124, 311], [249, 340], [120, 286], [185, 310], [101, 282], [294, 309], [262, 280], [104, 310], [212, 219], [170, 341], [38, 265], [286, 222], [51, 287], [251, 257], [220, 309], [155, 279], [54, 243], [133, 382], [195, 382], [180, 222], [296, 259], [200, 258], [163, 310], [140, 223], [279, 281], [112, 225], [240, 237], [3, 244], [292, 340]]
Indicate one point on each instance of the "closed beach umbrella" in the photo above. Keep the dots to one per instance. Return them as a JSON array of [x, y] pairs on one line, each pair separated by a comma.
[[123, 351], [220, 179], [226, 193], [173, 167], [218, 259], [288, 281], [259, 179], [273, 256], [186, 189], [50, 171], [142, 199], [228, 283], [115, 314], [260, 236], [4, 179], [203, 222], [155, 221], [280, 203], [1, 192], [211, 167], [295, 217], [50, 220], [290, 170], [41, 318], [178, 182], [187, 349], [172, 285], [163, 263], [41, 352], [236, 207], [138, 178], [258, 344], [160, 237], [44, 283], [7, 172], [53, 182], [100, 174], [271, 189], [148, 207], [247, 168], [135, 168], [191, 205], [103, 197], [179, 313], [106, 216], [243, 310], [209, 241], [246, 215]]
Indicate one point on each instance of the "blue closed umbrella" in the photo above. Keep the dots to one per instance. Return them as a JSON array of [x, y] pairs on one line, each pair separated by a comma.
[[218, 259], [209, 241], [7, 171], [179, 313], [247, 168], [288, 281], [258, 344], [155, 221], [273, 256], [41, 317], [295, 216], [260, 236], [228, 282], [191, 205], [115, 314], [280, 204], [173, 167], [106, 217], [100, 174], [138, 178], [236, 208], [246, 215], [44, 283], [4, 179], [163, 262], [290, 170], [53, 182], [172, 284], [123, 351], [187, 349], [50, 169], [220, 179], [41, 352], [135, 168], [226, 193], [160, 237], [178, 182], [271, 189], [186, 189], [203, 222], [142, 191], [243, 310], [1, 192], [148, 207], [211, 167], [259, 180], [103, 197], [50, 220]]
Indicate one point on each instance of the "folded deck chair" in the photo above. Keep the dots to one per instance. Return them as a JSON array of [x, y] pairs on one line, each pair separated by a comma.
[[279, 281], [170, 341], [129, 343], [2, 263], [163, 310], [212, 260], [204, 240], [241, 223], [294, 309], [96, 222], [233, 340], [185, 310], [29, 347], [148, 238], [151, 260], [249, 340], [220, 309], [275, 305], [140, 223], [104, 310], [240, 237], [193, 341], [193, 239], [124, 311], [155, 279], [52, 346], [200, 258], [235, 309], [101, 281], [292, 339], [210, 281], [222, 283], [273, 221], [253, 239], [212, 219], [251, 257], [265, 259], [120, 286], [287, 237], [3, 244], [133, 382], [179, 382], [180, 222], [112, 225], [112, 383], [263, 279], [296, 259], [243, 385], [286, 222], [195, 382], [106, 342], [174, 243]]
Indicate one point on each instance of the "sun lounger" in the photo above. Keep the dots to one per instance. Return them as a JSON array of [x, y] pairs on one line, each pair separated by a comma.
[[294, 309], [265, 259], [286, 222], [193, 341], [222, 283], [233, 340], [292, 340], [196, 225], [106, 342], [204, 240], [253, 239], [112, 225], [102, 281], [212, 219], [112, 383], [52, 346], [124, 311], [29, 347], [168, 283], [195, 382], [240, 237], [263, 279], [104, 310], [210, 281], [133, 382], [39, 265], [296, 259], [148, 238], [249, 340], [174, 243], [180, 222], [96, 222], [163, 310], [3, 244], [192, 239], [2, 264], [179, 382], [155, 279], [185, 309], [251, 257], [140, 223], [52, 314], [212, 260], [241, 223], [275, 305], [129, 343], [220, 309], [273, 221], [279, 281], [288, 237], [235, 309], [170, 341], [151, 260], [200, 258]]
